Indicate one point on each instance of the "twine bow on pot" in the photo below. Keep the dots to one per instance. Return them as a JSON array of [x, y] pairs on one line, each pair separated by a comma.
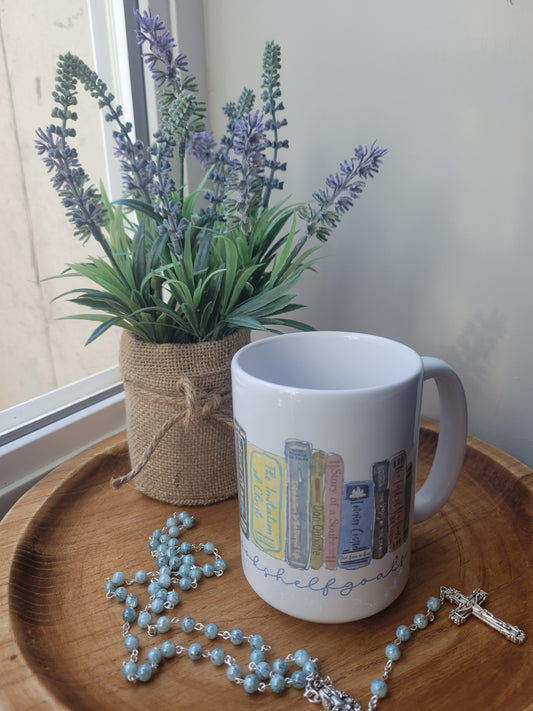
[[191, 403], [179, 419]]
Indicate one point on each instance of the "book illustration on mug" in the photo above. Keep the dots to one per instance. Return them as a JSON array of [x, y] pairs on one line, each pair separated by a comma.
[[298, 508]]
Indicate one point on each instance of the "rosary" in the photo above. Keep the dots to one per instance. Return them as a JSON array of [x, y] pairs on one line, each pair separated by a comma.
[[177, 565]]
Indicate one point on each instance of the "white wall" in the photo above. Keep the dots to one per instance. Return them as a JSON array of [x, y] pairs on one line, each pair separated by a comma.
[[438, 252]]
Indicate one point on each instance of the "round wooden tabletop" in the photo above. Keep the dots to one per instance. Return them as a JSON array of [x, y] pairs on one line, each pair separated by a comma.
[[61, 639]]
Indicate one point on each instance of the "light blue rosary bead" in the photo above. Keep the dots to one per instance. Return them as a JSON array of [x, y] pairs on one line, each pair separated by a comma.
[[144, 619], [309, 667], [168, 649], [161, 594], [162, 560], [184, 569], [233, 672], [421, 621], [157, 533], [129, 615], [301, 656], [118, 578], [208, 570], [195, 574], [157, 605], [153, 588], [236, 636], [403, 633], [257, 656], [187, 624], [132, 600], [433, 604], [189, 560], [144, 672], [196, 651], [174, 531], [152, 545], [217, 656], [173, 598], [298, 679], [209, 547], [393, 652], [280, 666], [277, 683], [164, 538], [185, 547], [188, 522], [163, 624], [211, 631], [129, 669], [154, 656], [141, 577], [164, 580], [131, 642], [182, 515], [256, 641], [174, 562], [379, 688], [251, 683], [173, 540], [220, 564], [162, 548], [171, 521], [185, 583], [111, 587], [263, 670], [120, 594]]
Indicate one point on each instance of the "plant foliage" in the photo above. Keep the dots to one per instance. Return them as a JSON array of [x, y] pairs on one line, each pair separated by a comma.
[[172, 271]]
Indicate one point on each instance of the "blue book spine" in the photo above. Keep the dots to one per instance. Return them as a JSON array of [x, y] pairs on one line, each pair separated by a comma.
[[355, 541], [298, 457]]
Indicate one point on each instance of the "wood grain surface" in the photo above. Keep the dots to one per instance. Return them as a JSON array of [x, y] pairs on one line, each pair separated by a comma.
[[61, 639]]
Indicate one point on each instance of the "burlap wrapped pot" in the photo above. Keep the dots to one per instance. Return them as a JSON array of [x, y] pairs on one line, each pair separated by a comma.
[[179, 418]]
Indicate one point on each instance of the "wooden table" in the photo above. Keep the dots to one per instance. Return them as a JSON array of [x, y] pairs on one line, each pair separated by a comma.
[[60, 638]]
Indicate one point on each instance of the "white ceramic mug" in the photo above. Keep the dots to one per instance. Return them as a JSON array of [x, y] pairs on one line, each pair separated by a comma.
[[326, 432]]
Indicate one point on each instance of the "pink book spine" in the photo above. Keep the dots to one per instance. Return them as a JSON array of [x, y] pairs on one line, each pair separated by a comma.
[[333, 486]]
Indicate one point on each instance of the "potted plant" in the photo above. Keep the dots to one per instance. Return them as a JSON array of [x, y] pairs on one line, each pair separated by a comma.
[[187, 274]]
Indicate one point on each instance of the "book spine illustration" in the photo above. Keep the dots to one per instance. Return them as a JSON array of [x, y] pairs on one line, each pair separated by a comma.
[[407, 503], [267, 501], [333, 486], [380, 479], [397, 473], [317, 508], [298, 457], [241, 455], [355, 542]]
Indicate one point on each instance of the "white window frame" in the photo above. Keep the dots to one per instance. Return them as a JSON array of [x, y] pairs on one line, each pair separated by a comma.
[[40, 434]]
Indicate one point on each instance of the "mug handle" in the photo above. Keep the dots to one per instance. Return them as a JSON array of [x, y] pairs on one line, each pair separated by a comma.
[[451, 445]]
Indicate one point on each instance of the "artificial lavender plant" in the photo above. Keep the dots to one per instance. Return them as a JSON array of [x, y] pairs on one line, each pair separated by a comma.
[[180, 266]]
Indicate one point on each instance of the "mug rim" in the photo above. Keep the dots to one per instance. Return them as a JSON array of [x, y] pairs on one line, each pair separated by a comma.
[[408, 372]]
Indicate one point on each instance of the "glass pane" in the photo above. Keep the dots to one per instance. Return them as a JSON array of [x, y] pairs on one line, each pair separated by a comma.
[[38, 352]]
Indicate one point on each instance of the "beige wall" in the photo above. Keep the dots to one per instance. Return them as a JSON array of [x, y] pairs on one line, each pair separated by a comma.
[[438, 252], [38, 352]]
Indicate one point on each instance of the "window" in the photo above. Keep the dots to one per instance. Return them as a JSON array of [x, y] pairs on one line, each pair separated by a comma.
[[57, 396]]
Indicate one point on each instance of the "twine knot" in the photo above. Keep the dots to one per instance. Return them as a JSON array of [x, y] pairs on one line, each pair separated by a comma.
[[190, 403]]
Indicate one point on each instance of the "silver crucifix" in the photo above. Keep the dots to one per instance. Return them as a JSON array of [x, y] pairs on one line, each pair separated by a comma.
[[322, 691], [471, 605]]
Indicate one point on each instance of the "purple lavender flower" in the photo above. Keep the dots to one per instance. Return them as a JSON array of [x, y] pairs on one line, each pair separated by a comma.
[[201, 145], [249, 145], [152, 30], [338, 196], [84, 205], [137, 169]]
